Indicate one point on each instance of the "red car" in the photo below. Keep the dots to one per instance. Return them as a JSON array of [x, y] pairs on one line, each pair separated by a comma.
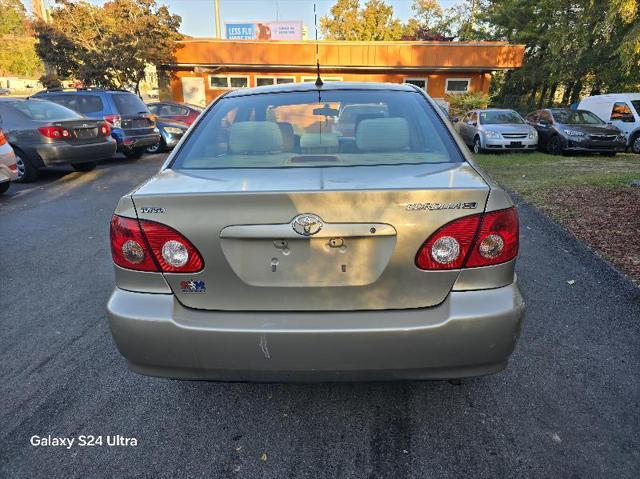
[[182, 112]]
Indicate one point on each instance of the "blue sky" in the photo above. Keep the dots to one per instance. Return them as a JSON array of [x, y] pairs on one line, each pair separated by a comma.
[[198, 21]]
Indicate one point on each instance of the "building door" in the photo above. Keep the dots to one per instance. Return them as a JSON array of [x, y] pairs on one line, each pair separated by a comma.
[[193, 91]]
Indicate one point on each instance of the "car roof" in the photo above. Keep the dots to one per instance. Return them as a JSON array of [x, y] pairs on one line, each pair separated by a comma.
[[80, 91], [327, 86], [614, 96]]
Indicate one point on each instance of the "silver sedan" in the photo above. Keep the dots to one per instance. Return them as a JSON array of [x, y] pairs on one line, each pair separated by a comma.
[[8, 167], [496, 130], [273, 246]]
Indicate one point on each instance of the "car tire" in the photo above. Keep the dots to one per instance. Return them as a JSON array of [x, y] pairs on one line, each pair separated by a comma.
[[4, 187], [477, 145], [635, 144], [555, 145], [88, 166], [134, 154], [26, 171], [157, 148]]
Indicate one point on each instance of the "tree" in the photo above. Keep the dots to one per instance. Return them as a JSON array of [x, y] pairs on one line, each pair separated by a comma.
[[347, 21], [108, 46], [428, 23], [17, 53], [572, 47]]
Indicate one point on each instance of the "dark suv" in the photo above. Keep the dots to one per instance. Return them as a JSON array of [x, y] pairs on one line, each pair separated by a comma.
[[132, 125]]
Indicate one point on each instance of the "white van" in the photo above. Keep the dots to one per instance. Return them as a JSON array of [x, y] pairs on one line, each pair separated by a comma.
[[621, 110]]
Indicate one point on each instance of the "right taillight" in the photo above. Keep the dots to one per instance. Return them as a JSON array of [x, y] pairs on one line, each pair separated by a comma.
[[149, 246], [497, 240], [472, 241], [3, 139]]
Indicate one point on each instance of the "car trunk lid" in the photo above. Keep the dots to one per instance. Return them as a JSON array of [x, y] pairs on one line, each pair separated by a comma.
[[365, 226]]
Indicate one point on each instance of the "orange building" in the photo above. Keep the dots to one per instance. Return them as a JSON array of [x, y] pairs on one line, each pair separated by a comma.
[[203, 68]]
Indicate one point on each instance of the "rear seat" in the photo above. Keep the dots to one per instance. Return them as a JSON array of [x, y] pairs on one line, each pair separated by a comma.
[[382, 134]]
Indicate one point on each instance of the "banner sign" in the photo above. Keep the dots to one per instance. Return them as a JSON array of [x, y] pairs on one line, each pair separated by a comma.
[[264, 31]]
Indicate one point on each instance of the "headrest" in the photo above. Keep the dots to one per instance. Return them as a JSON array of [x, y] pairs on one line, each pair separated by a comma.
[[382, 134], [254, 137], [319, 140]]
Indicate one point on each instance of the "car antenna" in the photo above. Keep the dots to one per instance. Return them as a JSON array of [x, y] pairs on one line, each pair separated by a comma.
[[319, 81]]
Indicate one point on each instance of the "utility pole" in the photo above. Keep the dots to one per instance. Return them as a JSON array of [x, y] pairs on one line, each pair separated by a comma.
[[217, 14]]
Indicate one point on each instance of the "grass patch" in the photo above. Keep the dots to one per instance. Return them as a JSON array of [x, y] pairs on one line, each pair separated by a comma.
[[589, 195]]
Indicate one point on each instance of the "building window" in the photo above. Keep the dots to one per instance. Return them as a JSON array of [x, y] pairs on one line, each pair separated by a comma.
[[238, 82], [457, 85], [419, 82], [227, 82], [262, 81], [218, 82]]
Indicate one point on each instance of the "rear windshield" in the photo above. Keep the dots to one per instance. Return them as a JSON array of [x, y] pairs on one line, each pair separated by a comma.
[[500, 117], [44, 110], [576, 117], [80, 103], [311, 129], [129, 104]]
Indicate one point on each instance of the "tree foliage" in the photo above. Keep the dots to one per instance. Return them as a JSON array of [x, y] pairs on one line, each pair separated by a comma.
[[17, 52], [347, 20], [108, 45], [573, 47]]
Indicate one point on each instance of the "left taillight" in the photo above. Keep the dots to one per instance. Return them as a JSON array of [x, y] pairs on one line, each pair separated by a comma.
[[54, 132], [105, 130], [3, 139], [144, 245], [472, 241]]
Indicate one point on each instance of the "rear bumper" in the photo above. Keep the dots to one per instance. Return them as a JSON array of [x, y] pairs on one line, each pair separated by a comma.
[[472, 333], [61, 154], [129, 142]]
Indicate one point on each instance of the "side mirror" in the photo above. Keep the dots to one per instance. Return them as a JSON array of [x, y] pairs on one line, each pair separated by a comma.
[[474, 123]]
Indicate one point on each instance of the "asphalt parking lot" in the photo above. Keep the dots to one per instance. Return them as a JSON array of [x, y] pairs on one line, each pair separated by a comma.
[[567, 406]]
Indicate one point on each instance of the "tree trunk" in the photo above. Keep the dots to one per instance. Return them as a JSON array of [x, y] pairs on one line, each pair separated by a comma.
[[575, 94], [543, 94], [568, 87], [552, 93]]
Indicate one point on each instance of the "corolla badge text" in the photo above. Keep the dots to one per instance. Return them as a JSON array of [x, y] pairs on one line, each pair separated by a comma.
[[441, 206], [307, 224]]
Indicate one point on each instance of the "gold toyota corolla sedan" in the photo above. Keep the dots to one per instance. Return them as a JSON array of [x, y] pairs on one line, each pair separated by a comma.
[[272, 247]]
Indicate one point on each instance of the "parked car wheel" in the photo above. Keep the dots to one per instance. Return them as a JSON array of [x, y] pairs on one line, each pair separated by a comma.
[[157, 148], [26, 171], [635, 144], [134, 154], [85, 166], [4, 187], [555, 146], [477, 146]]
